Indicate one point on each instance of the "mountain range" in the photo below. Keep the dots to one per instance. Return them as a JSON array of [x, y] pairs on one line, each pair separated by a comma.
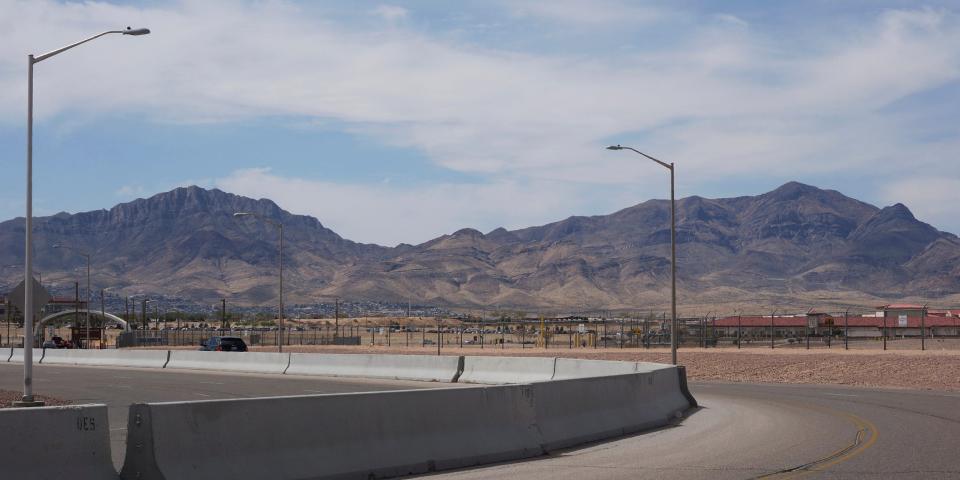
[[797, 246]]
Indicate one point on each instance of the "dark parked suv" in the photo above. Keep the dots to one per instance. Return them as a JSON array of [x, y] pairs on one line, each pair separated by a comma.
[[224, 344]]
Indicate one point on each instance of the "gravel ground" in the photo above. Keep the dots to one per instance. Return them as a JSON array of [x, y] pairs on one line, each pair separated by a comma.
[[930, 370], [7, 398]]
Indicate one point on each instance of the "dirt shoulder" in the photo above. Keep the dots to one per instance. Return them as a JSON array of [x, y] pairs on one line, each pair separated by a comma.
[[7, 398], [931, 370]]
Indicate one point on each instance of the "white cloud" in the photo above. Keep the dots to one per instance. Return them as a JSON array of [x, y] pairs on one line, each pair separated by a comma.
[[732, 20], [586, 12], [391, 13], [387, 214], [931, 199], [725, 102], [130, 191]]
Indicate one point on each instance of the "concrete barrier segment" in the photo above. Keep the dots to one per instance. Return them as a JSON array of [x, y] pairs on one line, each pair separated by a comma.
[[650, 366], [456, 377], [106, 358], [392, 434], [16, 355], [402, 367], [574, 411], [507, 370], [568, 368], [48, 443], [252, 362], [684, 388]]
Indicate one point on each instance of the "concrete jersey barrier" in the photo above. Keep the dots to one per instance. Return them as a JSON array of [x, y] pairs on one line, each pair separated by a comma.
[[112, 358], [567, 368], [50, 443], [402, 367], [16, 355], [574, 411], [252, 362], [398, 433], [505, 370]]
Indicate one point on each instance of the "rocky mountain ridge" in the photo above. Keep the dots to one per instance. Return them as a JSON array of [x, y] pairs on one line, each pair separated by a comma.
[[796, 245]]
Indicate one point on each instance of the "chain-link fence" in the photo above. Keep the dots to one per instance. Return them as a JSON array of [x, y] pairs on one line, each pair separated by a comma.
[[894, 329]]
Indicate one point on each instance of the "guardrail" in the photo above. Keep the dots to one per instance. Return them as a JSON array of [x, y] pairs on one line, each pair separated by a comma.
[[536, 405]]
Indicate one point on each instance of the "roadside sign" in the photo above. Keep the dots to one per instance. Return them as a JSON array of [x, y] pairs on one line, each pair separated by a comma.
[[902, 320], [82, 333], [40, 296]]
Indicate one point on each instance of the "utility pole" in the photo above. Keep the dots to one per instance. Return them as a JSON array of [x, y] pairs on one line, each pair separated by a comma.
[[739, 329], [76, 304], [846, 331], [103, 317], [884, 328], [336, 318], [923, 328], [223, 313]]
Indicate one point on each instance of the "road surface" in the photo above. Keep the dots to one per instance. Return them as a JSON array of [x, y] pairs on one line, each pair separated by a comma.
[[745, 431], [741, 431]]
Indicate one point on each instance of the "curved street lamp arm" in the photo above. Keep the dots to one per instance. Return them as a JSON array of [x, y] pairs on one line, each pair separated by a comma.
[[40, 58], [665, 164]]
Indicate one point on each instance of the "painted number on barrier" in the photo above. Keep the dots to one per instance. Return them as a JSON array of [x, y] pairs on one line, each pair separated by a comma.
[[86, 424]]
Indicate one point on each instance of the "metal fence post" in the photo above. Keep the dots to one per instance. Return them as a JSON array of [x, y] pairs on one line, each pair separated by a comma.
[[846, 331]]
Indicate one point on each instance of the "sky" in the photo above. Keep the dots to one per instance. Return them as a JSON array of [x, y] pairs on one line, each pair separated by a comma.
[[402, 121]]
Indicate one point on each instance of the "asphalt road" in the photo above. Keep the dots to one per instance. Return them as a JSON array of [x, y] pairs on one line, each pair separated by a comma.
[[747, 431], [741, 431], [120, 387]]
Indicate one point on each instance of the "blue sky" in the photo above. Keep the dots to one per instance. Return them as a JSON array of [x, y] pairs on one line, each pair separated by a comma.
[[401, 121]]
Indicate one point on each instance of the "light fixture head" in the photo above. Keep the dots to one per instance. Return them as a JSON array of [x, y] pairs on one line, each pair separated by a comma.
[[614, 147], [136, 31]]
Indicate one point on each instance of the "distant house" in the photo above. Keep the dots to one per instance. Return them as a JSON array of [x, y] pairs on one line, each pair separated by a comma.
[[898, 320]]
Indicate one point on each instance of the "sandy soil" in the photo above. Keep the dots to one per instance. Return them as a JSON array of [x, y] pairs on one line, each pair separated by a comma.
[[930, 370], [7, 398]]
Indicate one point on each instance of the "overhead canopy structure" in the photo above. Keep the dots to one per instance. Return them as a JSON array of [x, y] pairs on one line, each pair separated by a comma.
[[107, 317]]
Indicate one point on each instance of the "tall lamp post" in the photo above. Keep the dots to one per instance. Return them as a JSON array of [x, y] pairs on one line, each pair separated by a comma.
[[673, 250], [279, 225], [27, 400], [86, 327]]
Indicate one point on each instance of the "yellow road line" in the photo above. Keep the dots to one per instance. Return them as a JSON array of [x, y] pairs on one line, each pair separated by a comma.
[[864, 427]]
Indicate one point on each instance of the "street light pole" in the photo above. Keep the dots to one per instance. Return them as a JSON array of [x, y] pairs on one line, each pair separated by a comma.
[[279, 225], [673, 250], [28, 400]]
